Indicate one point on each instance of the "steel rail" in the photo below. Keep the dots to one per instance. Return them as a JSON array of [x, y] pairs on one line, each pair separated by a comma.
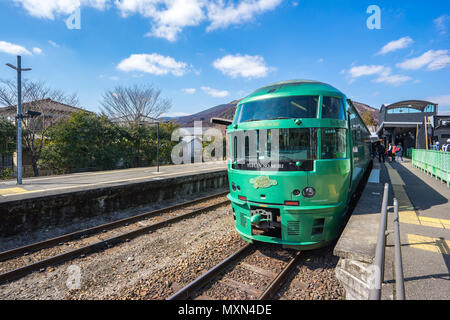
[[188, 290], [280, 279], [201, 281], [97, 229], [100, 245]]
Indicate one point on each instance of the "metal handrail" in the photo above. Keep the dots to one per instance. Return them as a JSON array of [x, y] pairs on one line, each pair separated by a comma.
[[378, 272], [375, 292], [399, 279]]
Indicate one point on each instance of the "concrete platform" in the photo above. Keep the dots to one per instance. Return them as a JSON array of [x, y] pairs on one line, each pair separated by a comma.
[[359, 238], [57, 200], [357, 243], [41, 186], [424, 211]]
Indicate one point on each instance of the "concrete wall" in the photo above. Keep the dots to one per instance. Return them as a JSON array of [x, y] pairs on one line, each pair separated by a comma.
[[357, 244], [59, 210]]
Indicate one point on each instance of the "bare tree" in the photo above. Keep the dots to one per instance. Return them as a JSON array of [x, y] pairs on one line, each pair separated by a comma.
[[36, 96], [134, 104]]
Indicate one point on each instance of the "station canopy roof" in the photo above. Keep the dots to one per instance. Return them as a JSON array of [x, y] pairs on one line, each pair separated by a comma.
[[415, 104], [397, 125]]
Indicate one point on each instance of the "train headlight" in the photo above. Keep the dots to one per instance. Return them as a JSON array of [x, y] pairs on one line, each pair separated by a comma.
[[233, 186], [308, 192]]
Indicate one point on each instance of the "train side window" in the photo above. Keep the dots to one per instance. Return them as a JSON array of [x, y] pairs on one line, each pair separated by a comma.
[[247, 148], [235, 148], [333, 108], [334, 143]]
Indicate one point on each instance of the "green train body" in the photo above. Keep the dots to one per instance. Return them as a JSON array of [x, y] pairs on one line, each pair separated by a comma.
[[323, 144]]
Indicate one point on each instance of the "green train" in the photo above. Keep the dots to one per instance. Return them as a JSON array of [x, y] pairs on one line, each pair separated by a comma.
[[297, 152]]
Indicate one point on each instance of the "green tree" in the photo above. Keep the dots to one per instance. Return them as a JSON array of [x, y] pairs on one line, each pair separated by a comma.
[[84, 141], [87, 141], [142, 147], [368, 119], [7, 137]]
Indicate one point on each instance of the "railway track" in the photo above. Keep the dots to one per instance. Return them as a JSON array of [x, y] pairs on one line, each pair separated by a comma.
[[254, 264], [99, 238]]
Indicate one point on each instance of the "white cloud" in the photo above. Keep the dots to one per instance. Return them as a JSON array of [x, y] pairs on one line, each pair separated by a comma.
[[320, 60], [215, 93], [396, 45], [53, 44], [97, 4], [366, 70], [442, 23], [221, 15], [393, 79], [153, 63], [12, 48], [48, 9], [443, 101], [384, 74], [169, 16], [433, 59], [37, 50], [245, 66], [189, 90]]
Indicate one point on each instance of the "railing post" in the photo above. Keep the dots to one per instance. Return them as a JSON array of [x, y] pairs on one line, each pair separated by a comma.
[[375, 293]]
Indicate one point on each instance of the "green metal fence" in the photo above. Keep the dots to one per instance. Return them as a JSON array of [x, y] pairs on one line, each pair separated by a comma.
[[436, 163]]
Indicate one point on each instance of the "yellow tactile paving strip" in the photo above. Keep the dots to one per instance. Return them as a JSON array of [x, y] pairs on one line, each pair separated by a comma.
[[412, 218], [10, 191], [437, 245]]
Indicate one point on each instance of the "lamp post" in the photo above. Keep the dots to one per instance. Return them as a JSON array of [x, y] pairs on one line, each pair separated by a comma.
[[157, 141], [157, 146], [19, 116]]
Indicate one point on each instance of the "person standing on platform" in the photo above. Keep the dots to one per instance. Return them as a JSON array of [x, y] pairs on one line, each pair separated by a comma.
[[394, 147], [381, 150], [399, 152], [389, 152], [446, 147], [374, 150], [436, 146]]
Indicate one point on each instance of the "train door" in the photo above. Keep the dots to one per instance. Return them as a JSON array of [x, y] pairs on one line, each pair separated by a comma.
[[350, 143]]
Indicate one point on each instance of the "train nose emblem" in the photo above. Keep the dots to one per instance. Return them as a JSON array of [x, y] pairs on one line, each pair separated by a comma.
[[263, 182]]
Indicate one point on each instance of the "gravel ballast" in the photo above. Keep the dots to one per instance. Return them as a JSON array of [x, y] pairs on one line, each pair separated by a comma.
[[158, 264]]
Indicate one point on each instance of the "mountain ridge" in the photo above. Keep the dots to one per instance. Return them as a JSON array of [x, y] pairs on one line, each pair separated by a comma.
[[227, 110]]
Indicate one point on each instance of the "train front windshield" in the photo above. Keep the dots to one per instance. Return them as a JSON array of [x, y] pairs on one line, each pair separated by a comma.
[[279, 108], [257, 149]]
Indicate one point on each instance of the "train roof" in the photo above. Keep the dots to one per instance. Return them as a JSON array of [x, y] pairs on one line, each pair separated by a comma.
[[291, 88]]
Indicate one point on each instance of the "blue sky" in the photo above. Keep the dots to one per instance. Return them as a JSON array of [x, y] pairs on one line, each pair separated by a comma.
[[202, 53]]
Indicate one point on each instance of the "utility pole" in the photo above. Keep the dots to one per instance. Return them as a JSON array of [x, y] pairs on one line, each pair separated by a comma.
[[19, 116]]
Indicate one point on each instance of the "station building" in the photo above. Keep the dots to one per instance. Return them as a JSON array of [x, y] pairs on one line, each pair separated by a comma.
[[414, 124]]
